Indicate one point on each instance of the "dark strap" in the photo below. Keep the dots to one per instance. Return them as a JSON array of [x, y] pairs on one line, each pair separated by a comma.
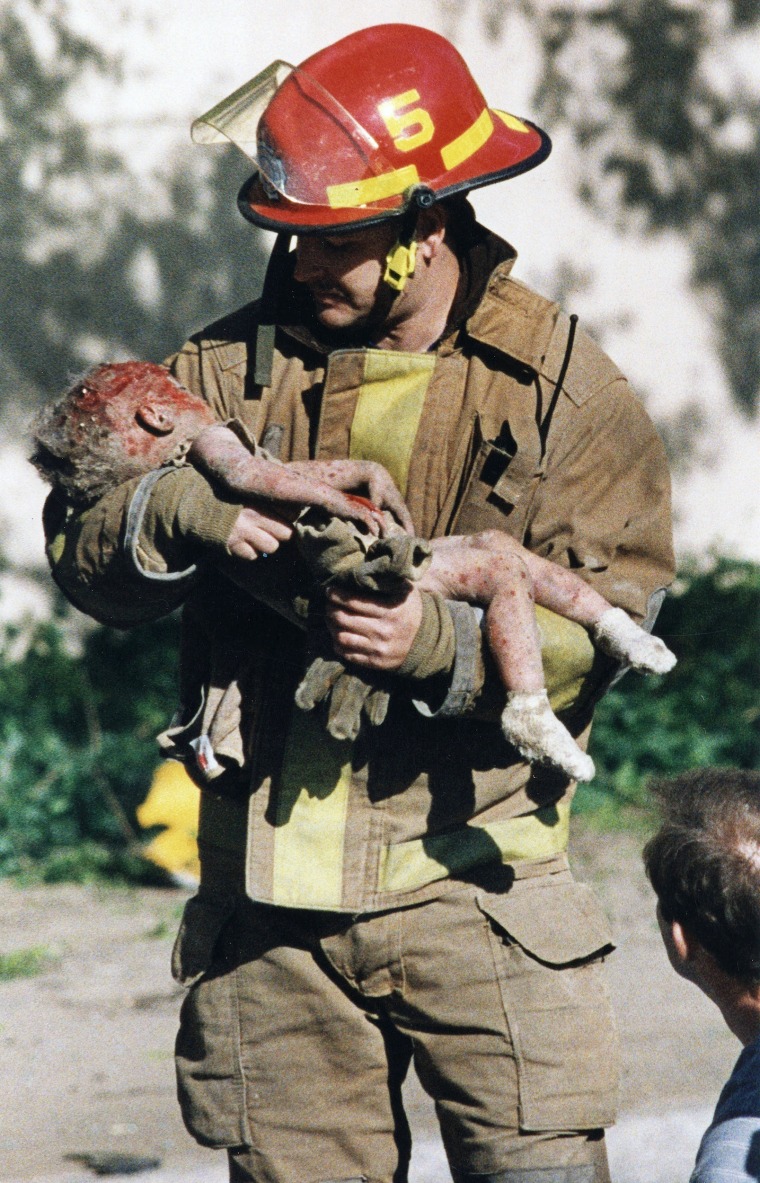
[[543, 430], [135, 516], [265, 333], [462, 686]]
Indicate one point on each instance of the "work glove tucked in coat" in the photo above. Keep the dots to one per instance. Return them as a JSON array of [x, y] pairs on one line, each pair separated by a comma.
[[342, 554]]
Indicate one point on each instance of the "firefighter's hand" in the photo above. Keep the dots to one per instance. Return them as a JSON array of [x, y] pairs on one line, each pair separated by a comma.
[[371, 631], [257, 532]]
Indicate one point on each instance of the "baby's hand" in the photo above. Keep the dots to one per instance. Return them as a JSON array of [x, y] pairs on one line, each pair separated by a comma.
[[351, 475], [383, 492]]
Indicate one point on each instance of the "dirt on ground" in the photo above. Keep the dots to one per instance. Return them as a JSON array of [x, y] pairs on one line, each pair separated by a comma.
[[86, 1040]]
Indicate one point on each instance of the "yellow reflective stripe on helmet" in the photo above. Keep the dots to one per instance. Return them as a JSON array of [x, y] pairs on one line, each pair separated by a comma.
[[356, 193], [466, 145], [540, 835], [310, 822], [512, 122], [388, 409]]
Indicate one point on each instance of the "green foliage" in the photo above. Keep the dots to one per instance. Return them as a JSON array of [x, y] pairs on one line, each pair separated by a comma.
[[77, 748], [24, 963], [706, 712]]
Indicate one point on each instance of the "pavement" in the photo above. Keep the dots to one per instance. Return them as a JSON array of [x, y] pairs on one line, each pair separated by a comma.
[[653, 1149], [86, 1044]]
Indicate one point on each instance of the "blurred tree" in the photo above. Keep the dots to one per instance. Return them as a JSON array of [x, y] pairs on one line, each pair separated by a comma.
[[663, 100], [89, 267]]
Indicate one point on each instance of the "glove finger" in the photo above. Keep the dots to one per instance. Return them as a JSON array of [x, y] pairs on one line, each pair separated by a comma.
[[317, 682], [391, 562], [346, 701], [376, 706]]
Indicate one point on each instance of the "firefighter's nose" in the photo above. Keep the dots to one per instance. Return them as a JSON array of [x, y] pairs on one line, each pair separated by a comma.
[[309, 261]]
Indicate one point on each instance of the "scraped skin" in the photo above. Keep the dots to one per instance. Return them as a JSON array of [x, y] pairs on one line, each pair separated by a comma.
[[218, 452], [495, 571], [131, 417]]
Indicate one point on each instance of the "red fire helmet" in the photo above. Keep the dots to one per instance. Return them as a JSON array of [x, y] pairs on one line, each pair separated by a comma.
[[385, 116]]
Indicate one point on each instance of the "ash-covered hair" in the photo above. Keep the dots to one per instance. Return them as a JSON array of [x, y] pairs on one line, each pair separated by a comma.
[[75, 446], [704, 863]]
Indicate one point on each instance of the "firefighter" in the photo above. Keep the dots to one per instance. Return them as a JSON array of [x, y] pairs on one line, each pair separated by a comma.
[[404, 897]]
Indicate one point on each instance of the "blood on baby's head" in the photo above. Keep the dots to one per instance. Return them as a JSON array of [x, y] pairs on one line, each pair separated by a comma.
[[86, 442], [109, 391]]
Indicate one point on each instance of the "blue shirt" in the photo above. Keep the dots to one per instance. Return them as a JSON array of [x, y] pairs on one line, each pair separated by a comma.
[[730, 1149]]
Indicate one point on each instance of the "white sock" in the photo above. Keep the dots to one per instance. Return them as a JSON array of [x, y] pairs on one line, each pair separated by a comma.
[[529, 724], [619, 636]]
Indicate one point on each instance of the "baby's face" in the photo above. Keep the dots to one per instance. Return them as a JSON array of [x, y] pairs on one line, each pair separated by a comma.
[[145, 407]]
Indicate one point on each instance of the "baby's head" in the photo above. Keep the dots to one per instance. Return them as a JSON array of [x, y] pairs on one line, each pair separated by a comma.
[[120, 420]]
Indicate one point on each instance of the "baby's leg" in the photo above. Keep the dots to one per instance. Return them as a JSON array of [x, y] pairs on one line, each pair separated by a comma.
[[565, 593], [477, 568], [611, 629], [482, 569]]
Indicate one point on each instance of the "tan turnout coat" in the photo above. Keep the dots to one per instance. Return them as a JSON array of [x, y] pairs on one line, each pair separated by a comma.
[[577, 473]]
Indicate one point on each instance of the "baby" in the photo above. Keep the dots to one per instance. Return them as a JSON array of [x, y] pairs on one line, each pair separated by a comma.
[[125, 419]]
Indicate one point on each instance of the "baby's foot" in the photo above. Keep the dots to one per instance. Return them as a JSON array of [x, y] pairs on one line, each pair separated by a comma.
[[530, 725], [619, 636]]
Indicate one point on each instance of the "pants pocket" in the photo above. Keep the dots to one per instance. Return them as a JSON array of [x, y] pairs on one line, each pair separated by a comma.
[[210, 1082], [549, 941]]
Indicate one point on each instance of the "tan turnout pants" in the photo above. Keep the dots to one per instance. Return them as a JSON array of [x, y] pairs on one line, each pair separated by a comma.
[[297, 1035]]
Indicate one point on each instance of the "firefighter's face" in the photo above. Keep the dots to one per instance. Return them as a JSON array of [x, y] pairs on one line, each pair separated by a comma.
[[344, 274]]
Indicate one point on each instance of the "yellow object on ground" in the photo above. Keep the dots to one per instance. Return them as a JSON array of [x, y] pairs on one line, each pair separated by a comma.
[[172, 802]]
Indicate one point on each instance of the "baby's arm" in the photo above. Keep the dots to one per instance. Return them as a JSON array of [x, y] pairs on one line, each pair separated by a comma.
[[219, 453]]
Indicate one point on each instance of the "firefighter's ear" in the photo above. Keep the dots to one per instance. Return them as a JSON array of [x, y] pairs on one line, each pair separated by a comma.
[[155, 417], [431, 231]]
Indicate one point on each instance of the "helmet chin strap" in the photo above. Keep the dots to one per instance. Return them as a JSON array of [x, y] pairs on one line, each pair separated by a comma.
[[399, 263], [402, 257]]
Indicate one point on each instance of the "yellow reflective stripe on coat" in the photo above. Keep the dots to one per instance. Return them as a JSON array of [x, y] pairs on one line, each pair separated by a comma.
[[388, 409], [539, 835], [310, 820], [313, 791]]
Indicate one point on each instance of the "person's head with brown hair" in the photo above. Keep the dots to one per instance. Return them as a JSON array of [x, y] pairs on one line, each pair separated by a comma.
[[120, 420], [704, 865]]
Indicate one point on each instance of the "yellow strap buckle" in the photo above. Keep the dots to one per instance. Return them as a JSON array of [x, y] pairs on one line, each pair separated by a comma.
[[399, 264]]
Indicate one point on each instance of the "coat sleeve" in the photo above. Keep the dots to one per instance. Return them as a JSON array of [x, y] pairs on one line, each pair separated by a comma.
[[122, 579], [131, 556], [603, 507]]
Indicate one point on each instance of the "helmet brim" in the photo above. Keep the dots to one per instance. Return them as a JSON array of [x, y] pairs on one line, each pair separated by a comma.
[[509, 152]]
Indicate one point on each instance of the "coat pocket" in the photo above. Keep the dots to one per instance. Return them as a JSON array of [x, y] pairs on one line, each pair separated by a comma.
[[549, 941], [500, 486], [210, 1082]]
